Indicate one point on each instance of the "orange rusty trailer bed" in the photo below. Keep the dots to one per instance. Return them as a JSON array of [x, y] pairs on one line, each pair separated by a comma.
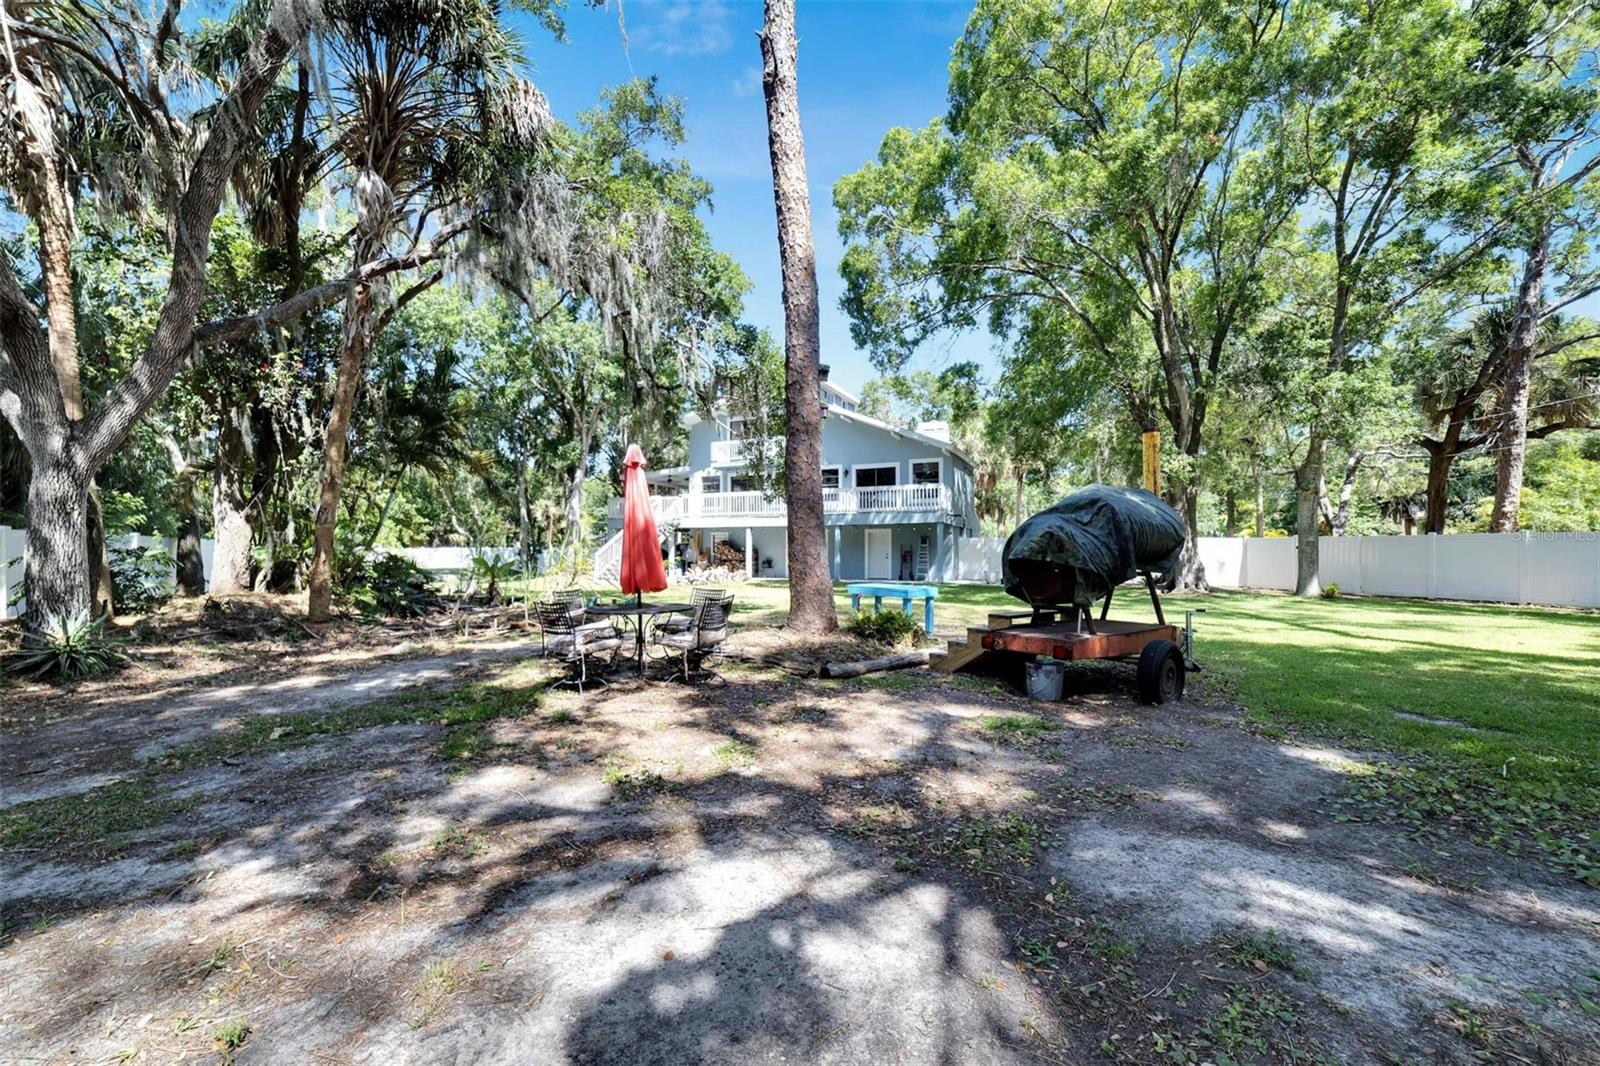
[[1066, 640]]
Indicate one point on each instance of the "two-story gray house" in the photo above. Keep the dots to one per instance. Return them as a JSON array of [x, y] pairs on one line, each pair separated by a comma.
[[894, 500]]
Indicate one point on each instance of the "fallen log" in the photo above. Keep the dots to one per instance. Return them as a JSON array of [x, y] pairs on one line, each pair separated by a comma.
[[872, 666]]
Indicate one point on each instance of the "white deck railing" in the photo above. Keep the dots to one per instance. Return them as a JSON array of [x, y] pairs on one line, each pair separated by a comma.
[[886, 498], [730, 452], [664, 507]]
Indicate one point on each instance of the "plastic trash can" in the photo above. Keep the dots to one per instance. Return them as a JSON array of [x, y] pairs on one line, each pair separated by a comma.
[[1044, 679]]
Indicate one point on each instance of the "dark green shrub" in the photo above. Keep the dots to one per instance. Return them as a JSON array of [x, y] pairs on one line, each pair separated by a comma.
[[389, 585], [887, 625], [69, 647], [141, 578]]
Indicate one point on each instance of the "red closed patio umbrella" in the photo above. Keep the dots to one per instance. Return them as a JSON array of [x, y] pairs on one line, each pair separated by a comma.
[[641, 544]]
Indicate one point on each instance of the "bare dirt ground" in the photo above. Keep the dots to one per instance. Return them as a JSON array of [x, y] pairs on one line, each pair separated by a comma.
[[430, 858]]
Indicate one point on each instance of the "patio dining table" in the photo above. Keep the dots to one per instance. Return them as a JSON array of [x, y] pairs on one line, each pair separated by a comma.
[[636, 614]]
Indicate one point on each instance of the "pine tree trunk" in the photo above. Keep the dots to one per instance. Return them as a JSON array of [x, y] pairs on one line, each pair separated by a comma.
[[1307, 498], [811, 608], [1513, 439]]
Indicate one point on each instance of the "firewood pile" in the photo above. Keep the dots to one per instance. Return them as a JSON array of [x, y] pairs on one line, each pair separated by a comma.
[[725, 555]]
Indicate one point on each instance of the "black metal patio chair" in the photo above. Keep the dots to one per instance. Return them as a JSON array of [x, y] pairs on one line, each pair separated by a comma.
[[700, 639], [569, 599], [567, 636], [698, 595]]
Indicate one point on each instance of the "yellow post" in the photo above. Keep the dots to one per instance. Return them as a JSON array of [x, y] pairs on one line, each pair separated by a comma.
[[1152, 460]]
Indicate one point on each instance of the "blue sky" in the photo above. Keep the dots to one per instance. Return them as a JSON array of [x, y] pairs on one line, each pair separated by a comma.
[[865, 66]]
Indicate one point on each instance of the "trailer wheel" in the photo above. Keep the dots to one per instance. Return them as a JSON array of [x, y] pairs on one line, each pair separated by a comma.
[[1160, 672]]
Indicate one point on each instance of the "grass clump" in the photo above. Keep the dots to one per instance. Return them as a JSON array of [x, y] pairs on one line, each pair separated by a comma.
[[992, 843], [1016, 730], [229, 1037], [735, 753], [99, 816], [440, 981], [1261, 951], [635, 782]]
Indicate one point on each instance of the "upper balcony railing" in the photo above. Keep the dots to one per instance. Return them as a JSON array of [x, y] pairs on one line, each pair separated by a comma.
[[733, 452], [880, 499], [665, 507]]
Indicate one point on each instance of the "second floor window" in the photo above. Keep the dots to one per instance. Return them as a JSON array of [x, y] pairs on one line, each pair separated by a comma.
[[742, 483], [830, 477], [711, 483], [925, 472], [871, 477]]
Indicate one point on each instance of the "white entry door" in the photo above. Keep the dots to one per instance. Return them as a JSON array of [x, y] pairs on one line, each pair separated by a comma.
[[880, 549]]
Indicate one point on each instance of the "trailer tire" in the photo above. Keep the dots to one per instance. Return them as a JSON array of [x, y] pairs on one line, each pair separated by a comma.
[[1161, 672]]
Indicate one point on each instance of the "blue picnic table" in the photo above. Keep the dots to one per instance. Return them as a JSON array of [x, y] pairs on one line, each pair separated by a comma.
[[895, 590]]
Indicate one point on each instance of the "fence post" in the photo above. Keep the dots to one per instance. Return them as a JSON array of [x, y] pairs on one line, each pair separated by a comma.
[[1433, 564], [1522, 566]]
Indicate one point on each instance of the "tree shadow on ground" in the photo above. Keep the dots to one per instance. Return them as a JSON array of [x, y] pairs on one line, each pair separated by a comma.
[[866, 878]]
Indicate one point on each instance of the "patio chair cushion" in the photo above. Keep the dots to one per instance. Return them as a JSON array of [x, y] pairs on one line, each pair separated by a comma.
[[688, 638], [596, 636]]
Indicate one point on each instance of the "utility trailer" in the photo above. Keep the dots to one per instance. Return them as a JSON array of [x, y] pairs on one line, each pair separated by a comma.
[[1066, 559], [1071, 634]]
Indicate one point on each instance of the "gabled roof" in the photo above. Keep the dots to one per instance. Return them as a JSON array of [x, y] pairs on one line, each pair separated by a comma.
[[692, 419], [908, 434]]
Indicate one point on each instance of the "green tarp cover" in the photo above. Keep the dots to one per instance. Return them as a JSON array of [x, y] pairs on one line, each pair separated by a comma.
[[1105, 535]]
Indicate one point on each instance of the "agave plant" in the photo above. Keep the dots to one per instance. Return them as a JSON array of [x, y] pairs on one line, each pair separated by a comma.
[[68, 647]]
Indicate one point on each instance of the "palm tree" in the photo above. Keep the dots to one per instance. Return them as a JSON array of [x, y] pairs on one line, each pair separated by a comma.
[[415, 84]]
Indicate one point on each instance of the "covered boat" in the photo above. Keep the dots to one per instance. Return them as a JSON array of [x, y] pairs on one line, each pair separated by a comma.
[[1093, 540]]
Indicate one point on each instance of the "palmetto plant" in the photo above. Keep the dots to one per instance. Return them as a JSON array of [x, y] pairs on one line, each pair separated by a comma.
[[67, 647]]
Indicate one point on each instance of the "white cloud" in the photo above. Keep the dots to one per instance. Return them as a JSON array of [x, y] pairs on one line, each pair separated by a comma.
[[683, 28], [748, 83]]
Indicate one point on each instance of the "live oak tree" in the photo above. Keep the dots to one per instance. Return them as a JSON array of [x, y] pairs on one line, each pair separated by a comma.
[[169, 156], [1543, 104], [1103, 191], [811, 608]]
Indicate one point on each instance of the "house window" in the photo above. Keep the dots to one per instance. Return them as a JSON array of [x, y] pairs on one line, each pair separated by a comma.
[[830, 477], [711, 483], [738, 429], [742, 483], [925, 471], [871, 477]]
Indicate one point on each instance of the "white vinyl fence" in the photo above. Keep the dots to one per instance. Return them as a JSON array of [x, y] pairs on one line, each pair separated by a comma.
[[12, 542], [434, 560], [977, 559], [1558, 569]]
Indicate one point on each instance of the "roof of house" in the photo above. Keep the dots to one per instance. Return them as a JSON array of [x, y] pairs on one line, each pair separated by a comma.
[[909, 434], [692, 419]]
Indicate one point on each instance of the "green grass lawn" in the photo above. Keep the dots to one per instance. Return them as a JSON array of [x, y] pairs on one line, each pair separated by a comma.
[[1520, 683]]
